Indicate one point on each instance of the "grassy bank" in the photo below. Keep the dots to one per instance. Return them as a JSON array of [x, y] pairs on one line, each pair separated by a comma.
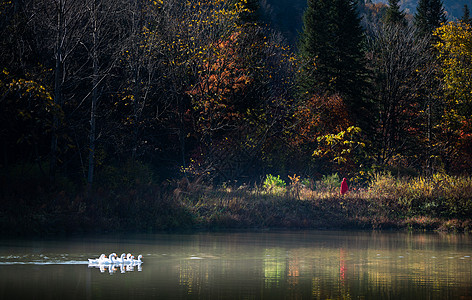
[[439, 202]]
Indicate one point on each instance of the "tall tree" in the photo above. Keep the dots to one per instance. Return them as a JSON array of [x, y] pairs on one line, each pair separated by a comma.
[[315, 46], [429, 16], [330, 47], [466, 15], [102, 50], [400, 67], [455, 54], [394, 15], [63, 20]]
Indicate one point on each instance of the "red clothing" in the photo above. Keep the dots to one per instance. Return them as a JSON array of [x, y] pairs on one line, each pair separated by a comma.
[[344, 187]]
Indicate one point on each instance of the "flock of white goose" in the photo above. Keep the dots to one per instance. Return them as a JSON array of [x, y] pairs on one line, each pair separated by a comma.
[[113, 259]]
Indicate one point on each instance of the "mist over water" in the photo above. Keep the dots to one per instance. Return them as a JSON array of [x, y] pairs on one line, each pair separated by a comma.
[[243, 265]]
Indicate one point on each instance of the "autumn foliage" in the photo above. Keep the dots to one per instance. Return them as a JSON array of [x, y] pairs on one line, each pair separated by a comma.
[[320, 115], [454, 48], [206, 89]]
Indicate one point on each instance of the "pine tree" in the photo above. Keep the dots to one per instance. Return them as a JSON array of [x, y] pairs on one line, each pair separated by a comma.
[[394, 15], [429, 16], [330, 46], [466, 16], [315, 46]]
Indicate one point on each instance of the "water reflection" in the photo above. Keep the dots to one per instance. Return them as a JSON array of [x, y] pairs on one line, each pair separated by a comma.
[[274, 266], [112, 269], [368, 265], [252, 265]]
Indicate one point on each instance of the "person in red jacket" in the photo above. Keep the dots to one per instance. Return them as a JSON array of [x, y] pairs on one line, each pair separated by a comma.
[[344, 187]]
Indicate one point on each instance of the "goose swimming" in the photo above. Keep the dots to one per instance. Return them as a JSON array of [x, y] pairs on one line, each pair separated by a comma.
[[138, 261], [112, 259], [120, 260], [102, 258], [129, 259]]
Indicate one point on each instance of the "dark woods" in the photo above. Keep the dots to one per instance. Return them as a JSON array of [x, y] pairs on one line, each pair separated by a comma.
[[115, 110]]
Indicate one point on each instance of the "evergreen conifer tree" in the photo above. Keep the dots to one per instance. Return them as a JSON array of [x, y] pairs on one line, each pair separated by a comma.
[[330, 46], [466, 16], [429, 16], [316, 46], [394, 15]]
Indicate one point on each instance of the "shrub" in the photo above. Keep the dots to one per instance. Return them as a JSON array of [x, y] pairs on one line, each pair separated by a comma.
[[329, 183], [306, 182], [272, 183]]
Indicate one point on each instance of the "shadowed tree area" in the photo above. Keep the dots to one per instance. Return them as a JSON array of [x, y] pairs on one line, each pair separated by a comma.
[[146, 113]]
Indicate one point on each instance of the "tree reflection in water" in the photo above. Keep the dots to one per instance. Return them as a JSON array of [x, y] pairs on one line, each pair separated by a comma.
[[249, 265], [367, 265]]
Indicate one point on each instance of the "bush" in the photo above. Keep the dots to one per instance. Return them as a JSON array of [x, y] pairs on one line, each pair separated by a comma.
[[329, 183], [272, 183]]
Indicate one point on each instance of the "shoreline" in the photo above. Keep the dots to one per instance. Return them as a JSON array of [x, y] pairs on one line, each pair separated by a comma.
[[287, 215], [440, 203]]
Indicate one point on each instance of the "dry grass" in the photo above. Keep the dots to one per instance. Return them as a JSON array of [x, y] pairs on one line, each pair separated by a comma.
[[440, 202], [411, 203]]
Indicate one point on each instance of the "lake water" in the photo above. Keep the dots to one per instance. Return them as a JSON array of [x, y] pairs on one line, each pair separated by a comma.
[[243, 265]]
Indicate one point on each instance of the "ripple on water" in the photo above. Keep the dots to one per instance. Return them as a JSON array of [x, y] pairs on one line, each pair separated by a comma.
[[41, 259]]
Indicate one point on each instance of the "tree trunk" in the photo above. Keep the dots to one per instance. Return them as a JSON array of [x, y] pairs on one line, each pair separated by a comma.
[[57, 87], [93, 109]]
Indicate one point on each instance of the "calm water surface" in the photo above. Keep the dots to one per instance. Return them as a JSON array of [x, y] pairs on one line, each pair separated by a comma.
[[243, 265]]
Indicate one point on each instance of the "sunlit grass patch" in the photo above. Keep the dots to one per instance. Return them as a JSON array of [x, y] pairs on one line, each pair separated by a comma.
[[439, 195]]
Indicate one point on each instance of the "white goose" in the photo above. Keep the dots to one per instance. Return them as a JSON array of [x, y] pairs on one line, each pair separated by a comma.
[[120, 260], [129, 259], [97, 260], [138, 261], [110, 261]]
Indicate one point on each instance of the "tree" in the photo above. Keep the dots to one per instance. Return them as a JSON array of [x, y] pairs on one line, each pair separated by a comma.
[[342, 149], [332, 59], [455, 55], [394, 15], [372, 13], [237, 97], [249, 11], [466, 15], [61, 24], [429, 15], [401, 66], [103, 50], [315, 120], [27, 111]]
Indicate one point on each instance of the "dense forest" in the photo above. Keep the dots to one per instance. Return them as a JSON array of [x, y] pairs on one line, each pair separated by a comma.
[[286, 16], [128, 106]]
